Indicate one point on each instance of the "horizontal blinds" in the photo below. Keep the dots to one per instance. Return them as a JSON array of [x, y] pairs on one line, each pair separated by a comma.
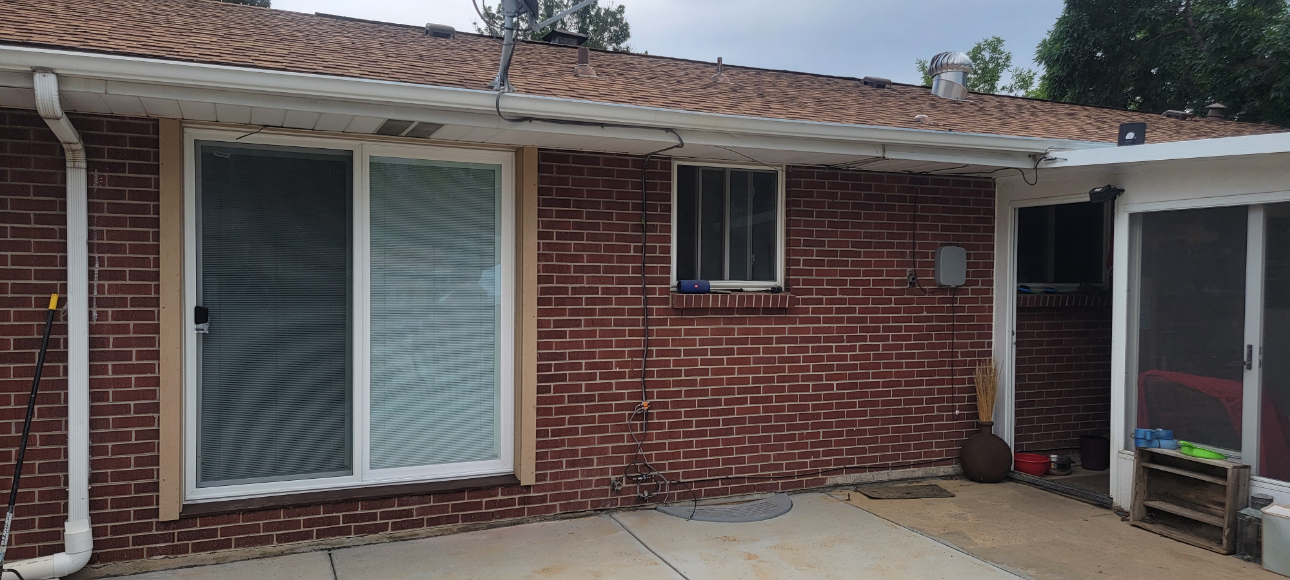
[[435, 299], [274, 388]]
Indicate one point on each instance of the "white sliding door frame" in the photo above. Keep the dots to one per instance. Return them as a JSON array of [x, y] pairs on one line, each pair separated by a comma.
[[1125, 297], [362, 475], [363, 292]]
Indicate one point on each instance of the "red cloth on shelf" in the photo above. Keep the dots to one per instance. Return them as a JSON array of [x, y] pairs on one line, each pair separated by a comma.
[[1274, 440]]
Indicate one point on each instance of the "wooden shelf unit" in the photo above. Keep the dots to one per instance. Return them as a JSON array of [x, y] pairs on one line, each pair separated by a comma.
[[1189, 499]]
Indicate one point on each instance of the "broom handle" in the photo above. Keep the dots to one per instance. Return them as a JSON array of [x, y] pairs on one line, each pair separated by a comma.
[[26, 427]]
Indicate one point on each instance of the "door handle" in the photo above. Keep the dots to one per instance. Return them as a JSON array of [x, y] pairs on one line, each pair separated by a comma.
[[201, 320], [1248, 363]]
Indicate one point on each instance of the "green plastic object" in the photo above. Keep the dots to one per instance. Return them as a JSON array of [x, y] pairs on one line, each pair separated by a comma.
[[1194, 451]]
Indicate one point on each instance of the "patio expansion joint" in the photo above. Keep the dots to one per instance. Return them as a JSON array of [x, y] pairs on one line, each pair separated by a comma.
[[647, 546], [331, 559], [1006, 569]]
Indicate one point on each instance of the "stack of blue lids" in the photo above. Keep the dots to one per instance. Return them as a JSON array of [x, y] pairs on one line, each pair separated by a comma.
[[1154, 439]]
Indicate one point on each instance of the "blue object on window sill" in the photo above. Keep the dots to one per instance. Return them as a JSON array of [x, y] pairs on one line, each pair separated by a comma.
[[693, 287]]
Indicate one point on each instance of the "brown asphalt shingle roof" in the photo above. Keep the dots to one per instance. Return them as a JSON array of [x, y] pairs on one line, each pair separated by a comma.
[[213, 32]]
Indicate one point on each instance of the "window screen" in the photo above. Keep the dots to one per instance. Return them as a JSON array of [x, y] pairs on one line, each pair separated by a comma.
[[274, 255], [1191, 323], [727, 224], [436, 312]]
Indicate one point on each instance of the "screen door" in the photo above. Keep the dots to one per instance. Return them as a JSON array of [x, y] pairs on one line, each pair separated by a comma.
[[1191, 289]]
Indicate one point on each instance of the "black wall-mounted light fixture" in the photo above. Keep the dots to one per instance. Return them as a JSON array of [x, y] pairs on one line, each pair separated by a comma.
[[1104, 194]]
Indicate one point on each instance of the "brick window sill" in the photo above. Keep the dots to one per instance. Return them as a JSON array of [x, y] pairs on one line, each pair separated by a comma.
[[1062, 300], [733, 301]]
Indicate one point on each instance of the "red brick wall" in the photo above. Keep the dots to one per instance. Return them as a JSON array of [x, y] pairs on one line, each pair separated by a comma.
[[857, 371], [1063, 375], [122, 178]]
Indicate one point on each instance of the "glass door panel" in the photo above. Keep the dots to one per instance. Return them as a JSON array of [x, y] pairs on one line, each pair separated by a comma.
[[436, 324], [1274, 415], [274, 380], [1191, 324]]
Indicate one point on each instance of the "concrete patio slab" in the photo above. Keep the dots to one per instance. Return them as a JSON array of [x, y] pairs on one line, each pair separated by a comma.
[[583, 548], [1050, 537], [308, 566], [822, 537]]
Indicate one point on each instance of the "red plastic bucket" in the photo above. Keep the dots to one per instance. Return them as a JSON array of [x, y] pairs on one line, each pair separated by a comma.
[[1031, 463]]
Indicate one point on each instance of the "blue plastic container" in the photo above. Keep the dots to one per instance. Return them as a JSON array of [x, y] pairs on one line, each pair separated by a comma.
[[1144, 435], [1147, 443], [1164, 434], [1167, 443]]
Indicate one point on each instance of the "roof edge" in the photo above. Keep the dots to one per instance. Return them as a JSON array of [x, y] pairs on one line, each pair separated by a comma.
[[115, 67]]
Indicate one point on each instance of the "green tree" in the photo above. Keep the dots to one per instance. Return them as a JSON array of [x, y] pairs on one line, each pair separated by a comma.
[[990, 62], [1154, 55], [606, 27], [260, 3]]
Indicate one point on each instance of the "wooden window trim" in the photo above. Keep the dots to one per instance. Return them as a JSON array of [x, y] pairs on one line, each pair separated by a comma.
[[526, 293], [171, 363]]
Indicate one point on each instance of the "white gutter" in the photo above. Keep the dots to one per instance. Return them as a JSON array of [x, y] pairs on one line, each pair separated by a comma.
[[119, 70], [1199, 149], [78, 538]]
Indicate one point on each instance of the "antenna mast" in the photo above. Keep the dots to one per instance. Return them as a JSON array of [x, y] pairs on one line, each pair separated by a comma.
[[511, 11]]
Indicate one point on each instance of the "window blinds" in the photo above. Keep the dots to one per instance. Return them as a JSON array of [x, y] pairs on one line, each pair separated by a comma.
[[274, 254], [435, 312]]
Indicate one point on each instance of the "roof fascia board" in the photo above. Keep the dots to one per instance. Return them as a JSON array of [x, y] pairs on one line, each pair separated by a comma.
[[965, 156], [1179, 150], [206, 76], [484, 120]]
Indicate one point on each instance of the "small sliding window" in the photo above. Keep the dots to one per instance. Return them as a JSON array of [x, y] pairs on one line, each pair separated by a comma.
[[728, 225], [357, 301]]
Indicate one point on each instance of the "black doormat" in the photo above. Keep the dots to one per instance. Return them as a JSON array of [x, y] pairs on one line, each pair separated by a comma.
[[921, 491]]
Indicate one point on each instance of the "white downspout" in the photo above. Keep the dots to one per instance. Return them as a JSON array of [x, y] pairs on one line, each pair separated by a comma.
[[78, 539]]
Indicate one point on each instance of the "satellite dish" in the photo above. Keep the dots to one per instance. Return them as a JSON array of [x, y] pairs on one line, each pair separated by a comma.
[[511, 10]]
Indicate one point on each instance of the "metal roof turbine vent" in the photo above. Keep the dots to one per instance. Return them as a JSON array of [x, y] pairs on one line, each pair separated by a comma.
[[1216, 112], [949, 72]]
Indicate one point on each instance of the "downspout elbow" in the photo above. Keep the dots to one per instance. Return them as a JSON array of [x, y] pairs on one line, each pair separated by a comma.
[[51, 110], [78, 540]]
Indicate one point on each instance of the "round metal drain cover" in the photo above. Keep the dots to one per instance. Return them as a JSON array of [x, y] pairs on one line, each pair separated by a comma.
[[733, 513]]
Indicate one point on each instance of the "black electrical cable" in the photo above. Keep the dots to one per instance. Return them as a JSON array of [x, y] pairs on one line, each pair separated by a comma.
[[1038, 159], [912, 277], [954, 346], [644, 473], [638, 470]]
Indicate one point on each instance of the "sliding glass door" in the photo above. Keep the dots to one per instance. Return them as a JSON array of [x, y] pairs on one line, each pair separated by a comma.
[[352, 314], [1211, 293]]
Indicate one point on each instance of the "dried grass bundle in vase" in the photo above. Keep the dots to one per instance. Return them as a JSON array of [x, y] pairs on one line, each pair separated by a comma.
[[987, 386]]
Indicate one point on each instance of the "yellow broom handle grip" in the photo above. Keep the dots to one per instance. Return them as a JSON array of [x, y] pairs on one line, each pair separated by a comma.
[[53, 302]]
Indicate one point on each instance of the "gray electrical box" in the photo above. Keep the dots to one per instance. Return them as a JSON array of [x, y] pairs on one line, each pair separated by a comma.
[[951, 266]]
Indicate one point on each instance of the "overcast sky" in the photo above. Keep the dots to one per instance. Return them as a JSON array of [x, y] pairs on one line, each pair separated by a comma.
[[840, 37]]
